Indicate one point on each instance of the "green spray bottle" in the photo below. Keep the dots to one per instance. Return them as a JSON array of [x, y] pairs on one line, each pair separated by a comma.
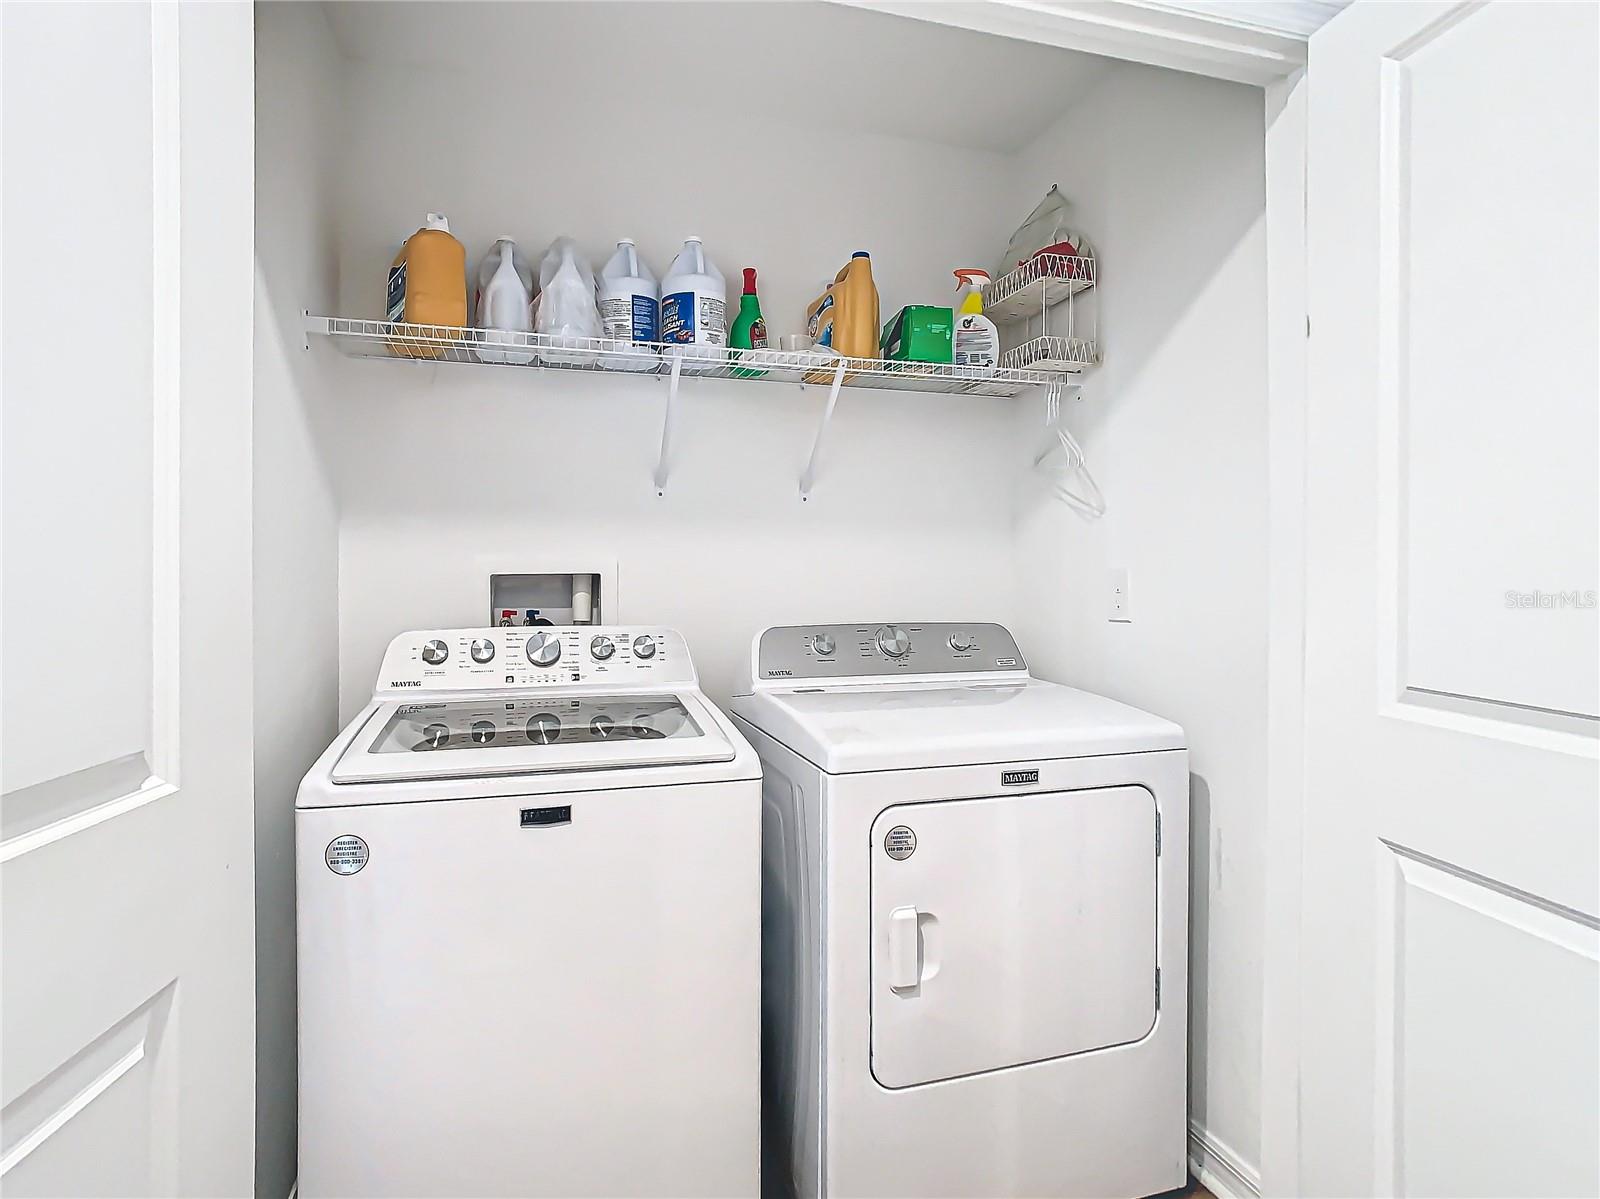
[[749, 330]]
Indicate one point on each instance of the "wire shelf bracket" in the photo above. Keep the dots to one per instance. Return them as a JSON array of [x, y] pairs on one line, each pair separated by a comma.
[[808, 477], [668, 418]]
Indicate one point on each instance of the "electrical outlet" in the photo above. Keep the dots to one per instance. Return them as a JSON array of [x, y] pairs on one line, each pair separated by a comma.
[[1119, 598]]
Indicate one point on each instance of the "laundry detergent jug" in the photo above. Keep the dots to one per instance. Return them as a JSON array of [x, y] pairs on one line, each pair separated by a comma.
[[565, 315], [503, 302], [694, 310], [845, 316], [427, 285], [630, 310]]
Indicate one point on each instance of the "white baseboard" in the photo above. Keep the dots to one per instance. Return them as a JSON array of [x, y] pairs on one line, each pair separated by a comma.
[[1219, 1169]]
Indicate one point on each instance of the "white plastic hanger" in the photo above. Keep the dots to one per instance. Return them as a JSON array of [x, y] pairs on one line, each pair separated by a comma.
[[1088, 501]]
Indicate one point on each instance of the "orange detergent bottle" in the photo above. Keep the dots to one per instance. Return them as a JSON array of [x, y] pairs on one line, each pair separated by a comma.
[[845, 316], [428, 286]]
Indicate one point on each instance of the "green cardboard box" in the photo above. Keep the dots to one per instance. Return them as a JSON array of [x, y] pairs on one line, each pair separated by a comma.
[[919, 333]]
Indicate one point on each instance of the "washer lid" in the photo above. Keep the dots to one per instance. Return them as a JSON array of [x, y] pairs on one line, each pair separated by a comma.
[[849, 729], [522, 734]]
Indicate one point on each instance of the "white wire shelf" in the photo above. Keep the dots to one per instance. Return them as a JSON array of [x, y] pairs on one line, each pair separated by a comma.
[[439, 343], [1055, 355], [1037, 285]]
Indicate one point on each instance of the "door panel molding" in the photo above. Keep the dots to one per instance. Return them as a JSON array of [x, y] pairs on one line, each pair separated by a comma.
[[56, 808], [1504, 1056], [1414, 861], [46, 812], [166, 311], [1440, 649], [49, 1107]]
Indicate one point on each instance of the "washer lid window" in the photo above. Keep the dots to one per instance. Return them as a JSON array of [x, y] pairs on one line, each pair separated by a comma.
[[501, 735]]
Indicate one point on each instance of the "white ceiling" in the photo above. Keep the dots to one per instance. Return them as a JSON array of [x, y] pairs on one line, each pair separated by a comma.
[[808, 66], [1297, 18]]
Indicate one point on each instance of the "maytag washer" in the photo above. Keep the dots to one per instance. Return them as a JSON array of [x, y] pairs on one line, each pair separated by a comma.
[[976, 902], [529, 926]]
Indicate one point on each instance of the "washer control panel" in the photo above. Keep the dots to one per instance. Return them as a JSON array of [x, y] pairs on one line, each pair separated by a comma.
[[545, 656], [890, 648]]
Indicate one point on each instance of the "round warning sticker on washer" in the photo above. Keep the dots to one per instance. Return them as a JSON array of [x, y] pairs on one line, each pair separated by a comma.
[[346, 854], [900, 842]]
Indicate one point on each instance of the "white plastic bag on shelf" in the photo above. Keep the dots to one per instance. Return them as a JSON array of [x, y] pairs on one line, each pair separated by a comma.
[[565, 310], [1047, 231]]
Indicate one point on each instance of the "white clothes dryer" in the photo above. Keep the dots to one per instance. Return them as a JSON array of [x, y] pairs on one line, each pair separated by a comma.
[[975, 920], [529, 926]]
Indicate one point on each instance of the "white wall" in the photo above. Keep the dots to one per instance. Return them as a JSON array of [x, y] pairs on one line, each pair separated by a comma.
[[296, 525], [1168, 179], [448, 473]]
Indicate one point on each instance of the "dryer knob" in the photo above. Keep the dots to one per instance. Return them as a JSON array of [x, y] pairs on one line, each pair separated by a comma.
[[962, 642], [823, 644], [435, 652], [543, 649], [644, 648], [601, 648], [894, 641], [482, 650]]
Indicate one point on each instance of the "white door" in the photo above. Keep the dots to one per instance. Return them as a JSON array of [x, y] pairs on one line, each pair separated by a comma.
[[1011, 930], [125, 846], [1449, 990]]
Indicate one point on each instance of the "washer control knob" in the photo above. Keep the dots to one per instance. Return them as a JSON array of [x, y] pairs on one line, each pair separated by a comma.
[[543, 649], [601, 725], [435, 652], [543, 728], [894, 641], [962, 642], [823, 644], [482, 650], [644, 648], [483, 732], [601, 648]]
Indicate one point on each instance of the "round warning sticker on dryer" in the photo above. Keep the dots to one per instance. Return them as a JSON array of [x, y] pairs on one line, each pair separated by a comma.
[[346, 854], [900, 842]]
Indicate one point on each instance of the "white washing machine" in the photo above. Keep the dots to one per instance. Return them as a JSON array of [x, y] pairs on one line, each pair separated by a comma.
[[529, 926], [976, 919]]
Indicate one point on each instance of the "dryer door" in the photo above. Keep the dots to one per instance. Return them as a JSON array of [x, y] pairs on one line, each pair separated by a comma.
[[1011, 930]]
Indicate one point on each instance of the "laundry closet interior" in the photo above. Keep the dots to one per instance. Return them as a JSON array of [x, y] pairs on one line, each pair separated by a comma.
[[390, 494]]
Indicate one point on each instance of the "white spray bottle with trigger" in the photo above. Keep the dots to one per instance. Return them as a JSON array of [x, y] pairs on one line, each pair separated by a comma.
[[630, 310], [977, 341]]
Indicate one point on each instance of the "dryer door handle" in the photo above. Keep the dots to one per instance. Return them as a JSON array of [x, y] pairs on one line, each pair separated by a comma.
[[905, 965]]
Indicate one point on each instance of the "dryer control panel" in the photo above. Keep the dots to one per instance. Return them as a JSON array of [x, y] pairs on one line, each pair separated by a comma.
[[614, 657], [890, 649]]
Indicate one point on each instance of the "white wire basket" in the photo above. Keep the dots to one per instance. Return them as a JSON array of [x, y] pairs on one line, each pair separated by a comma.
[[1036, 286], [440, 343], [1052, 354]]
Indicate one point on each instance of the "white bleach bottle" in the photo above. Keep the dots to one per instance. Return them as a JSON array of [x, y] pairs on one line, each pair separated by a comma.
[[694, 310], [566, 316], [503, 302], [630, 310]]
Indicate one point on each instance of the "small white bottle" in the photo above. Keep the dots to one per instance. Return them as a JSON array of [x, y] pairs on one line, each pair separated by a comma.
[[694, 310], [630, 310]]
